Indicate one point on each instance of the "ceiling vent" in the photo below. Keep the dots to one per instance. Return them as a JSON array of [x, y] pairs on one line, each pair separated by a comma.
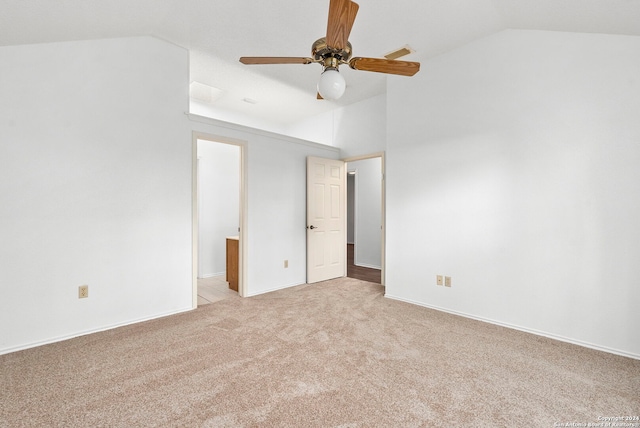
[[205, 93], [405, 50]]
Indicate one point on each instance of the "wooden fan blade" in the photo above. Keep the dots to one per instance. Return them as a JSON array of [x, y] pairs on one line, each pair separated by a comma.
[[250, 60], [403, 68], [342, 14], [351, 18]]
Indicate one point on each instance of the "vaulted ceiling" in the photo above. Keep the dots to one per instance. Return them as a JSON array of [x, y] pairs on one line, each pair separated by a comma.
[[218, 32]]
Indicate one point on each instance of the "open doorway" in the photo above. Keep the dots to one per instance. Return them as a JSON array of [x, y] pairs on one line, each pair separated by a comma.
[[365, 218], [218, 218]]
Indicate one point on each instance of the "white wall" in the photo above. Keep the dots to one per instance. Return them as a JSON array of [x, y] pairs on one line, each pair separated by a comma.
[[368, 212], [358, 129], [212, 111], [95, 187], [512, 165], [276, 201], [361, 128], [319, 129], [218, 204]]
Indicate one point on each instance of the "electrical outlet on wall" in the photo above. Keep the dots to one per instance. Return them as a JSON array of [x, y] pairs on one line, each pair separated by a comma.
[[447, 281], [286, 264], [83, 291]]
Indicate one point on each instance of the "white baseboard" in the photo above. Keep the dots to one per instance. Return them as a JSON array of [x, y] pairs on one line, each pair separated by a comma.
[[85, 332], [281, 287], [211, 275], [524, 329], [368, 266]]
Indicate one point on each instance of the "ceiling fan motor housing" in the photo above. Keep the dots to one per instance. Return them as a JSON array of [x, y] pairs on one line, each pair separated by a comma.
[[329, 56]]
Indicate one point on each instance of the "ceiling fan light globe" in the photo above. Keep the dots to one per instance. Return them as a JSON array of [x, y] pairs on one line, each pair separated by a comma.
[[331, 85]]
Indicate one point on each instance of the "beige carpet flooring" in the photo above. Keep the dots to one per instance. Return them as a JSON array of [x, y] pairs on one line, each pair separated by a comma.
[[333, 354]]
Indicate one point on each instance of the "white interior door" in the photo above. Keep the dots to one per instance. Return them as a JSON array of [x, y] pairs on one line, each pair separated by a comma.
[[326, 219]]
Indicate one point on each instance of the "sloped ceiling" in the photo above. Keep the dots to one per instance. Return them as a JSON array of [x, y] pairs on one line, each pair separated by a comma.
[[218, 32]]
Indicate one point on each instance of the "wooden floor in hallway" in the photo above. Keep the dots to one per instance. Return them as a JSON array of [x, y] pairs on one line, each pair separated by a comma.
[[359, 272]]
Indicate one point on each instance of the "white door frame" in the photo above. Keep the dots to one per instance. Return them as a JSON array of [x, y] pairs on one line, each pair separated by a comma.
[[242, 234], [380, 155]]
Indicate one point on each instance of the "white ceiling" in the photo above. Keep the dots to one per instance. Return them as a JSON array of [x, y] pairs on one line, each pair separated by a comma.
[[218, 32]]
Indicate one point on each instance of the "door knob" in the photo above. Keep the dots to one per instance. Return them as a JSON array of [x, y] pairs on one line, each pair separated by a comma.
[[312, 227]]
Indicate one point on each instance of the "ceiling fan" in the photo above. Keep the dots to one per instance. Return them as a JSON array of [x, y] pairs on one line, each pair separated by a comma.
[[334, 50]]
